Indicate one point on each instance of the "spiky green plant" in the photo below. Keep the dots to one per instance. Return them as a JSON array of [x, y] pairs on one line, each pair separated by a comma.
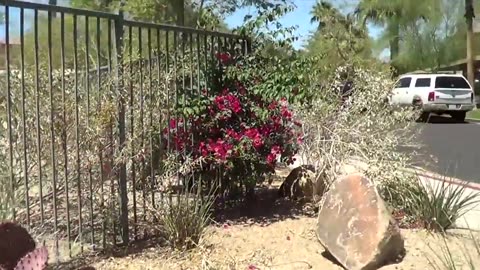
[[440, 206], [445, 259]]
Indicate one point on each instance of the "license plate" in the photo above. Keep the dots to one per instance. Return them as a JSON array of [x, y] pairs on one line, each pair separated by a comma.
[[456, 106]]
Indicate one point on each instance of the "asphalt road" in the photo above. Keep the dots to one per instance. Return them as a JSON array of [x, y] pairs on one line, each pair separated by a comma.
[[450, 148]]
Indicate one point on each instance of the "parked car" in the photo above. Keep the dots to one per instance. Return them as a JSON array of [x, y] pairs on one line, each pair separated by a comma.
[[435, 93]]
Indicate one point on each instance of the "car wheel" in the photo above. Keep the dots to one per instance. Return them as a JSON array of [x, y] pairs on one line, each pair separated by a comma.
[[459, 116]]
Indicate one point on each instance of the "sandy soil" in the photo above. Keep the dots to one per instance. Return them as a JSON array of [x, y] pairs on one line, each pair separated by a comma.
[[277, 234], [288, 244]]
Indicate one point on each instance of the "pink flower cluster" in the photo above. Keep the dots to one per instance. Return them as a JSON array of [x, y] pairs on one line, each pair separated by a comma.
[[236, 125], [228, 101]]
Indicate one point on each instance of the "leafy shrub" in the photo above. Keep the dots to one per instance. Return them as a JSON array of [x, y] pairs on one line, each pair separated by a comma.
[[275, 78], [233, 128]]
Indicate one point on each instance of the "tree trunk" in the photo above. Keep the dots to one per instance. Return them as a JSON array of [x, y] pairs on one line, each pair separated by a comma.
[[469, 15], [395, 47], [180, 12]]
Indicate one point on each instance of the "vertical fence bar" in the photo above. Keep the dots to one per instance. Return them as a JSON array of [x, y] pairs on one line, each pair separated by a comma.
[[52, 131], [142, 123], [151, 131], [77, 133], [183, 67], [123, 191], [24, 118], [99, 104], [205, 52], [199, 64], [37, 116], [64, 131], [89, 162], [110, 139], [167, 84], [160, 108], [9, 105], [132, 131], [199, 92], [175, 89], [192, 56]]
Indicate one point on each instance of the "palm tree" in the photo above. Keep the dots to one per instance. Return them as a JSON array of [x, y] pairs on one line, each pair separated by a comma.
[[324, 12], [337, 37], [326, 16], [394, 14]]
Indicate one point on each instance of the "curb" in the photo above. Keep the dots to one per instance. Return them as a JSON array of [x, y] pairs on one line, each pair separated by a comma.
[[446, 179], [474, 120]]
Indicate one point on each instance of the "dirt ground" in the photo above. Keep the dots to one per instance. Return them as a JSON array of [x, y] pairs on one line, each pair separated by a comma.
[[287, 244], [270, 233]]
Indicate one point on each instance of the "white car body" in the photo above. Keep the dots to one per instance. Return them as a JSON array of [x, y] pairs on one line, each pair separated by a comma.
[[435, 93]]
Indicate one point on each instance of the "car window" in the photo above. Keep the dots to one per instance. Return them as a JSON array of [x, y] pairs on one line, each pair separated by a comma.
[[403, 82], [423, 82], [451, 82]]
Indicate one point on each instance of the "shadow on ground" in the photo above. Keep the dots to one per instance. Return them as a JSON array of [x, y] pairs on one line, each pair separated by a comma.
[[264, 208], [437, 119]]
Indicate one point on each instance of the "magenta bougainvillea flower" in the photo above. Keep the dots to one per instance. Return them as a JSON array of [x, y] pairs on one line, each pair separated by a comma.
[[235, 127]]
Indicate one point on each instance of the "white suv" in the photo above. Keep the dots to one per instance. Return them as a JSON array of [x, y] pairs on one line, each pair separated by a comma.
[[435, 93]]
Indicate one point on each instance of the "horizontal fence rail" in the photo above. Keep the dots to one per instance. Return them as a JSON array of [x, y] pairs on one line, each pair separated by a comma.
[[85, 98]]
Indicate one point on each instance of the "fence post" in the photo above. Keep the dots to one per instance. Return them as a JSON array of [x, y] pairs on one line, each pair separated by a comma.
[[122, 177], [247, 45]]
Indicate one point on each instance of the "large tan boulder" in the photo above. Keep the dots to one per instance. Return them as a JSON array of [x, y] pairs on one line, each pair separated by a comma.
[[355, 226]]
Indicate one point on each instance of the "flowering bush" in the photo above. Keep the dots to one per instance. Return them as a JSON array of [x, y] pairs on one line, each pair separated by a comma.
[[232, 128]]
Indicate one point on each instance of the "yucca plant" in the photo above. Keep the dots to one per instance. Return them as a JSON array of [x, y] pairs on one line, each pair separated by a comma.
[[183, 220], [445, 259], [441, 206]]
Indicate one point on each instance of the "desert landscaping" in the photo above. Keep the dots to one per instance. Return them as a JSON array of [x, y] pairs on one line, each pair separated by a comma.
[[154, 135], [278, 234]]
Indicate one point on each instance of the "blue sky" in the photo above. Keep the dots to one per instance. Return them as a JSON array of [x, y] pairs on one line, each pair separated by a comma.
[[300, 17]]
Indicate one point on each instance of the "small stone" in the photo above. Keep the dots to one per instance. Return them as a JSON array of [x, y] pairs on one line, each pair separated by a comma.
[[355, 227]]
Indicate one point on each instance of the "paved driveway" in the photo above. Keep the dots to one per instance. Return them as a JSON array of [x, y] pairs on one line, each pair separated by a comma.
[[450, 148]]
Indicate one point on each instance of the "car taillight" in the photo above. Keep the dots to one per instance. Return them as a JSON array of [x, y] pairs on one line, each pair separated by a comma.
[[431, 96]]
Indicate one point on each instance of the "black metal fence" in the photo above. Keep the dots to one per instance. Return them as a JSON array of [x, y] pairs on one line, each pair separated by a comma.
[[84, 97]]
